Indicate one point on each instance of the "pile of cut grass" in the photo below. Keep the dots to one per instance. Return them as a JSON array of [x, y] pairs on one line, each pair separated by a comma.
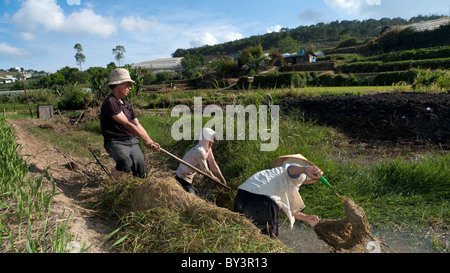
[[158, 216]]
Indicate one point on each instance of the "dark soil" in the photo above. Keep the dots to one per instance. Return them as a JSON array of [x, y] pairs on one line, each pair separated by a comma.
[[399, 118]]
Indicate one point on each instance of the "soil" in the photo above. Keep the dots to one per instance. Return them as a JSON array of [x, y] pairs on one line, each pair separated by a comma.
[[384, 118]]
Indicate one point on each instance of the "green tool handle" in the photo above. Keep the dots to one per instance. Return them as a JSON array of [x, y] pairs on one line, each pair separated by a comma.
[[324, 181]]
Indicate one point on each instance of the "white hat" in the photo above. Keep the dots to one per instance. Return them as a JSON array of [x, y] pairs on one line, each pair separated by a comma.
[[208, 134], [120, 75]]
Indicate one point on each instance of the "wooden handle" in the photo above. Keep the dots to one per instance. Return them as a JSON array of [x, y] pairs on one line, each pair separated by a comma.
[[194, 168]]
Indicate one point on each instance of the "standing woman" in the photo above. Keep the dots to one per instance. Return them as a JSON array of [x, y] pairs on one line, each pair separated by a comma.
[[120, 127]]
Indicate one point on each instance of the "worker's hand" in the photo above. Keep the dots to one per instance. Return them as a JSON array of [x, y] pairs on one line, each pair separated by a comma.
[[224, 181], [155, 147], [312, 220], [313, 172]]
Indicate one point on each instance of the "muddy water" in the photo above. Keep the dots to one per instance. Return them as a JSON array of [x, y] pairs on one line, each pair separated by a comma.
[[303, 239]]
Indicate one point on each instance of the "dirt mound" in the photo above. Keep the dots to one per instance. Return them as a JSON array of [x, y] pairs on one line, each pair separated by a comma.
[[416, 118]]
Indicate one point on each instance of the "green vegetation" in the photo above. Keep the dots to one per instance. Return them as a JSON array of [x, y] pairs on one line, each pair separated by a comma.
[[26, 224]]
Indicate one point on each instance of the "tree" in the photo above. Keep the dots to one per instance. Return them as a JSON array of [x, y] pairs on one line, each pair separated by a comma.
[[223, 65], [288, 45], [252, 56], [192, 64], [79, 57], [179, 53], [118, 52]]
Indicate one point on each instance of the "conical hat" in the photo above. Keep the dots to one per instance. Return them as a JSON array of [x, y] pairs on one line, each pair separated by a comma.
[[295, 159]]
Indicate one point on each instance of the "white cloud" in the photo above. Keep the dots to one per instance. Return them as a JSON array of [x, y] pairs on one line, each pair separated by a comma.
[[231, 36], [27, 36], [132, 23], [221, 34], [274, 29], [87, 22], [11, 50], [49, 16], [349, 6], [43, 12], [364, 8], [205, 38]]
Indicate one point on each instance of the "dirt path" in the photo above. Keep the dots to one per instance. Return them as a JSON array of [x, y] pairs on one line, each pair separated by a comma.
[[75, 181]]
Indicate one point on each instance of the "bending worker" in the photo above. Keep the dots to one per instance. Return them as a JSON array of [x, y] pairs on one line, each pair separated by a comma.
[[265, 193], [120, 127], [200, 156]]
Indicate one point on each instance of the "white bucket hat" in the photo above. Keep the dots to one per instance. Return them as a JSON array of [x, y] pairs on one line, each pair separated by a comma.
[[120, 75]]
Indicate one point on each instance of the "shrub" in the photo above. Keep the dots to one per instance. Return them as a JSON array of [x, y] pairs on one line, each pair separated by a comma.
[[74, 98]]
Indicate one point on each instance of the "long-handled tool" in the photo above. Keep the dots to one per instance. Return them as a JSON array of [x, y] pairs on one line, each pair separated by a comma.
[[324, 181], [194, 168]]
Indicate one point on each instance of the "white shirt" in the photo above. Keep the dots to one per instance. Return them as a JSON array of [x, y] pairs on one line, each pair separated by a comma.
[[282, 188], [197, 156]]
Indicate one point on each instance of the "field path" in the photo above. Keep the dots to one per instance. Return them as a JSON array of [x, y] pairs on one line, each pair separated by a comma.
[[75, 181]]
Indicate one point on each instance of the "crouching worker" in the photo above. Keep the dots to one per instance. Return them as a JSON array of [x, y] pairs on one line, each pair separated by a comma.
[[201, 157], [120, 127], [265, 193]]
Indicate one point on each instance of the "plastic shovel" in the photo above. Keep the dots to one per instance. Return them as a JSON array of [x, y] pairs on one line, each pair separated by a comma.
[[325, 182]]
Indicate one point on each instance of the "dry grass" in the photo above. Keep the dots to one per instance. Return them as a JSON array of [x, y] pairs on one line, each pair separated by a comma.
[[162, 217]]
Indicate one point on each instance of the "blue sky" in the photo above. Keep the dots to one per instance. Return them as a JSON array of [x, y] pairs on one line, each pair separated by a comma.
[[41, 34]]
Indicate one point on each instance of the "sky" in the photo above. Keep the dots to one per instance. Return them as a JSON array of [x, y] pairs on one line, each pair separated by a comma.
[[41, 34]]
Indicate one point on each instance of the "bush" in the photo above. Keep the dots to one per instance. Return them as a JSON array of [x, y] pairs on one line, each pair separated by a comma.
[[286, 80], [74, 98], [352, 41]]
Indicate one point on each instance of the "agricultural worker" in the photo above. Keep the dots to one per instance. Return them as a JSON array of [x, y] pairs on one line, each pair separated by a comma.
[[261, 197], [120, 127], [200, 156]]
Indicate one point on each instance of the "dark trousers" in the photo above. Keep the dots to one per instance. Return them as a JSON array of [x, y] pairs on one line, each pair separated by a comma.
[[262, 210], [186, 185], [128, 156]]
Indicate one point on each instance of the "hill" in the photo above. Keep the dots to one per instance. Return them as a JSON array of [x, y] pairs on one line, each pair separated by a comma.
[[322, 36]]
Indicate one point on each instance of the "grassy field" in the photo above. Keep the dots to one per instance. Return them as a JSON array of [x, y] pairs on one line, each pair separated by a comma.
[[397, 192]]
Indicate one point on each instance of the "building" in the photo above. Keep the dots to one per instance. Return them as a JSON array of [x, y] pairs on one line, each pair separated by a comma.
[[299, 58], [5, 78], [421, 26], [167, 64]]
